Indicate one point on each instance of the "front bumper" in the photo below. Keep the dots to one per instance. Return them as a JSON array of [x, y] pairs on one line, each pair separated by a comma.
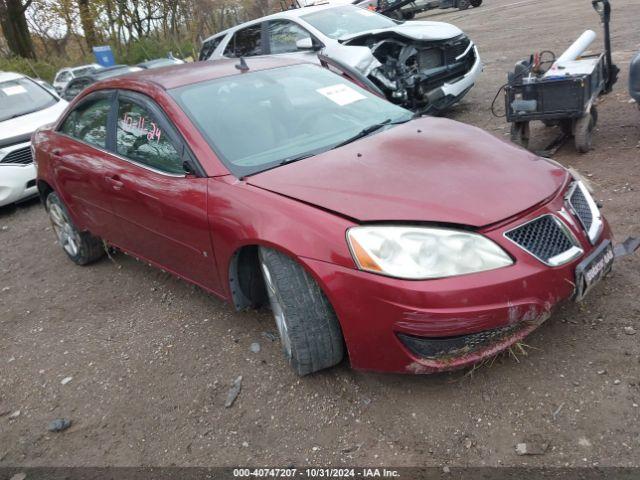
[[378, 314], [450, 93], [17, 182]]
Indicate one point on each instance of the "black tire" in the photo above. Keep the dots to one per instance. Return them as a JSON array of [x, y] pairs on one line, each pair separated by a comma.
[[594, 114], [81, 247], [520, 133], [463, 4], [309, 329], [583, 131], [567, 127], [476, 3]]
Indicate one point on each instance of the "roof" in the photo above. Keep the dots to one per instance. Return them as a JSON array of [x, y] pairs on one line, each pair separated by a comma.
[[292, 14], [6, 76], [160, 62], [180, 75], [80, 67]]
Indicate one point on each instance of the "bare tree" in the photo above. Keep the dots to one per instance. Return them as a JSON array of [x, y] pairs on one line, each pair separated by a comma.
[[15, 28]]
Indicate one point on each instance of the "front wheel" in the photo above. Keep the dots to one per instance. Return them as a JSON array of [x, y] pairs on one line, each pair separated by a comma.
[[81, 247], [464, 4], [308, 326], [476, 3]]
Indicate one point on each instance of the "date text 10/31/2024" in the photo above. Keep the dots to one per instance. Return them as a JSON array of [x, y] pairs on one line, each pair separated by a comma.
[[315, 473]]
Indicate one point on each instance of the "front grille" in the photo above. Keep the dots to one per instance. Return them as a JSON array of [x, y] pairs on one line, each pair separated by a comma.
[[581, 206], [21, 156], [430, 58], [433, 348], [543, 238]]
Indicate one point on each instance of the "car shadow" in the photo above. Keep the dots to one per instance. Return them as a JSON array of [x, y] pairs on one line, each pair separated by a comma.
[[12, 209]]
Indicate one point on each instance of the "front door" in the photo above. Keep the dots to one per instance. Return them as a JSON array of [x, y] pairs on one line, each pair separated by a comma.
[[162, 208]]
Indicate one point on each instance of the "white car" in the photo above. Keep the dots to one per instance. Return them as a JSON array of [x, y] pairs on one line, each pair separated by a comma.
[[65, 75], [423, 66], [25, 106]]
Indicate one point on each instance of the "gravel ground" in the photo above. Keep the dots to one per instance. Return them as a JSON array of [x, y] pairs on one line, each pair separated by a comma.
[[141, 362]]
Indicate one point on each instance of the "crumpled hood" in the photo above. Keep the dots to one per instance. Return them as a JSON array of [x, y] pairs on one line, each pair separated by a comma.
[[25, 125], [428, 170], [416, 30]]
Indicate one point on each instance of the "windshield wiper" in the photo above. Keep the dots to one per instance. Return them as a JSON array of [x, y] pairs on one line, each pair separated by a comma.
[[365, 132], [295, 158]]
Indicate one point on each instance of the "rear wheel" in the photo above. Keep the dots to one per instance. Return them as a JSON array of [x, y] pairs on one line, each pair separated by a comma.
[[476, 3], [520, 133], [81, 247], [308, 326], [463, 4]]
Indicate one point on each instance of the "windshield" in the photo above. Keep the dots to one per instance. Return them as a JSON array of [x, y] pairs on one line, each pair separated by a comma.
[[23, 96], [344, 21], [257, 121]]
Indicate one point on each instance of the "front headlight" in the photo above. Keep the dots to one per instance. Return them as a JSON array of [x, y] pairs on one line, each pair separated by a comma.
[[423, 253]]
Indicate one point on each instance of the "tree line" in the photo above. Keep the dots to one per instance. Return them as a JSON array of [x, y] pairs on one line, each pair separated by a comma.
[[37, 29]]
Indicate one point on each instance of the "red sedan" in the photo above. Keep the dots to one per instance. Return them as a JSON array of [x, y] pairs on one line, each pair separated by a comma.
[[411, 244]]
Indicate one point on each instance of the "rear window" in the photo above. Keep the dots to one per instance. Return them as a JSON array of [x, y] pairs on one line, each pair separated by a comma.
[[23, 96]]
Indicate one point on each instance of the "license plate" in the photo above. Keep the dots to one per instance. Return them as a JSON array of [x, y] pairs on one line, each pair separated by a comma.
[[593, 269]]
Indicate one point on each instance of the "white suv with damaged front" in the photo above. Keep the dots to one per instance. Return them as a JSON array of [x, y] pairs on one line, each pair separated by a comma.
[[423, 66], [25, 106]]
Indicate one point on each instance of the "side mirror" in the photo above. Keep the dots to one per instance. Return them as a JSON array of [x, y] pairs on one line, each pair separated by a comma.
[[305, 44]]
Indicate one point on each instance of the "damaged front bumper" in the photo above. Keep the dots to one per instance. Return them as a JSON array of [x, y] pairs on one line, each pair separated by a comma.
[[404, 326], [452, 92], [426, 79]]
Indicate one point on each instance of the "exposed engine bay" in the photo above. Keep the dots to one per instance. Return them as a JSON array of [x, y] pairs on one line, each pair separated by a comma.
[[411, 72]]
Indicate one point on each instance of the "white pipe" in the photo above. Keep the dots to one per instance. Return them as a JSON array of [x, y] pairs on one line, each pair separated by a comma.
[[578, 47]]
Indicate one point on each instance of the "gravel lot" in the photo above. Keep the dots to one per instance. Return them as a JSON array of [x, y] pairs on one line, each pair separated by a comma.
[[151, 358]]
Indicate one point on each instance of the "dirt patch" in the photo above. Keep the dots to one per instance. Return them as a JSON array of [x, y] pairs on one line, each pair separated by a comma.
[[151, 359]]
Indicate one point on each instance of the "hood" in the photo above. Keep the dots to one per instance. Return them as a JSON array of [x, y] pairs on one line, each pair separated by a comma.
[[415, 30], [22, 127], [427, 170]]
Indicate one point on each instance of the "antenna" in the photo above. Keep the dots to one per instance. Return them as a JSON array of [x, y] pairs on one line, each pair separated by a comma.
[[242, 66]]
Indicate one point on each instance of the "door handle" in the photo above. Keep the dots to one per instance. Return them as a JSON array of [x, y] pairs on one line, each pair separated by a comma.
[[56, 152], [115, 182]]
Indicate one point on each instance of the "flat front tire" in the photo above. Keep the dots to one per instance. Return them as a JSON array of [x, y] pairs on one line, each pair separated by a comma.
[[81, 247], [308, 326]]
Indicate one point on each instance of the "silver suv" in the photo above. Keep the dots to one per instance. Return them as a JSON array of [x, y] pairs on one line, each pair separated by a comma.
[[423, 66]]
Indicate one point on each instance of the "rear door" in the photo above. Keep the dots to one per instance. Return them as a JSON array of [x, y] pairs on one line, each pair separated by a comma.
[[162, 208], [83, 166]]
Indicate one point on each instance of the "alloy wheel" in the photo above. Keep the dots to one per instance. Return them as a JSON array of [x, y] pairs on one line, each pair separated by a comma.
[[67, 235]]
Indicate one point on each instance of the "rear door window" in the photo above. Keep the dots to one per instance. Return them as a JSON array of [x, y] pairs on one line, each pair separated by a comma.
[[140, 137], [88, 122], [246, 43], [209, 47]]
